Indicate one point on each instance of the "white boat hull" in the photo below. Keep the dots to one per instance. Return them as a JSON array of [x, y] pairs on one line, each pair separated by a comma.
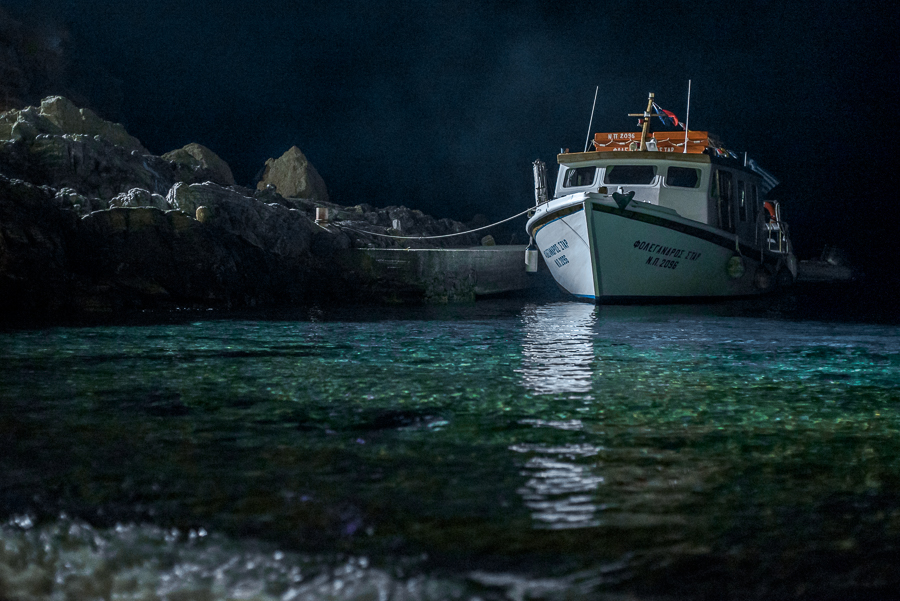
[[597, 251]]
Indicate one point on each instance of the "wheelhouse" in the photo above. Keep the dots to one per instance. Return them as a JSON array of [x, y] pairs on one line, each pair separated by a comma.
[[717, 192]]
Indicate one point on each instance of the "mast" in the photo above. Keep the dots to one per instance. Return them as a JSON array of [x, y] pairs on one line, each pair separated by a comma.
[[645, 118], [687, 119], [591, 122]]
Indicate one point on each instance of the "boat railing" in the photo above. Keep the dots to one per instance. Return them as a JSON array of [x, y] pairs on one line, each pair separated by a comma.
[[776, 229]]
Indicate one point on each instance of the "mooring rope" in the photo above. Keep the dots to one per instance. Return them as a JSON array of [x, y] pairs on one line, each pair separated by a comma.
[[478, 229]]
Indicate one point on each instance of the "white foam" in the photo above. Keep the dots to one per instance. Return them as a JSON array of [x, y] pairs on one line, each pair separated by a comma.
[[67, 559]]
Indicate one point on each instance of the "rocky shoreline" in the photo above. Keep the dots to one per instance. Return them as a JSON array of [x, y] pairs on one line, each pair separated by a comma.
[[92, 223]]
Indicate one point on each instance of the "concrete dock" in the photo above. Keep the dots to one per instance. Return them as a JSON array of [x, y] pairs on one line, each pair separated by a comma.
[[453, 274]]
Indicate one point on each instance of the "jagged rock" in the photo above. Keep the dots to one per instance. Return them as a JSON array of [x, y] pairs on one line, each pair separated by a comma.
[[202, 165], [138, 197], [82, 205], [58, 116], [373, 228], [73, 120], [61, 145], [276, 228], [90, 165], [293, 175]]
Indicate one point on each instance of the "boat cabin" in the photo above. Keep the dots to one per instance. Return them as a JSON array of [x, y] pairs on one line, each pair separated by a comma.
[[712, 190]]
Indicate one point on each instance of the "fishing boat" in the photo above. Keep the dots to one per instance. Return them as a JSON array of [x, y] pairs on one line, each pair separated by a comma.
[[660, 216]]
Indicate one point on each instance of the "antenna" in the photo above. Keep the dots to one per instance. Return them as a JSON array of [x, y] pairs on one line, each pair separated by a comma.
[[591, 122], [687, 119]]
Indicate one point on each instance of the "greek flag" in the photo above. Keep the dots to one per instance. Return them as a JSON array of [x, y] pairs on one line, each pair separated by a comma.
[[768, 179], [667, 117]]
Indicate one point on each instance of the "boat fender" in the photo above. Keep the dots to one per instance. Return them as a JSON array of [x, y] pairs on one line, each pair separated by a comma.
[[762, 279], [735, 267], [531, 258], [791, 262]]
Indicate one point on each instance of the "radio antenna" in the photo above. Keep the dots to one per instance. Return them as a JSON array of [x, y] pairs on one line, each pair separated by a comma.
[[687, 118], [591, 122]]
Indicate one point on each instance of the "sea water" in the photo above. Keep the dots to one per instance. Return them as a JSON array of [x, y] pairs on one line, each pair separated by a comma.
[[499, 450]]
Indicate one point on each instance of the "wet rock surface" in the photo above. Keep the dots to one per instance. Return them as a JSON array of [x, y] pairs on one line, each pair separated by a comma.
[[91, 221]]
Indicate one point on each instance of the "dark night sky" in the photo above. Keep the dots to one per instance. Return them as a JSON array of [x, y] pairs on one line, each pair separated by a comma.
[[442, 106]]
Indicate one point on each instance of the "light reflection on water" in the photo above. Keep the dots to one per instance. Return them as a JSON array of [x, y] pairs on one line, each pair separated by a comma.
[[500, 451], [558, 347], [560, 492], [558, 357]]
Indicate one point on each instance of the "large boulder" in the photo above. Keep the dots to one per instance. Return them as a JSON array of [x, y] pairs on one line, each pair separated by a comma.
[[292, 175], [73, 120], [201, 164]]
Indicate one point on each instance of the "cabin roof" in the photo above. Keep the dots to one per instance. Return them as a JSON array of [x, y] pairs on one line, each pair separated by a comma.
[[568, 158], [646, 156]]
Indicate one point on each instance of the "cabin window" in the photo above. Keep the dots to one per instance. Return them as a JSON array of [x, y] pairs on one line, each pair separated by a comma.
[[630, 174], [723, 185], [754, 200], [722, 189], [742, 201], [683, 177], [582, 176]]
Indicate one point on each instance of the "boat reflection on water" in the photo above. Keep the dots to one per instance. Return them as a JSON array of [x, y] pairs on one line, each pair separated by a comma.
[[558, 347], [558, 358], [561, 490]]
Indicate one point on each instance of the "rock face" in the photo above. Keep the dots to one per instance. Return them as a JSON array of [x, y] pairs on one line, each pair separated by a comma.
[[273, 227], [198, 160], [90, 221], [292, 175], [35, 227], [62, 146], [56, 116]]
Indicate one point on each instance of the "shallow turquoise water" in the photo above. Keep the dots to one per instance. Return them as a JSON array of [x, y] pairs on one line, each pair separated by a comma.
[[501, 450]]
